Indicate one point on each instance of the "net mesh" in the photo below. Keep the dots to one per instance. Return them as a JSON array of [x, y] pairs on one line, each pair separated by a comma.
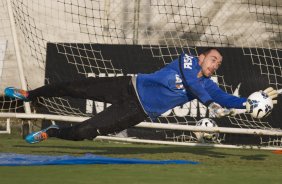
[[166, 28]]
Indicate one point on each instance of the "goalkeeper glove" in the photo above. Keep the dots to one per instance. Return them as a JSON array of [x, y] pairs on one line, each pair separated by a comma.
[[234, 112], [217, 110], [271, 93]]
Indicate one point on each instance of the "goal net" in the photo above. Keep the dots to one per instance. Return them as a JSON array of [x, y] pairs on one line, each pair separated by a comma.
[[69, 39]]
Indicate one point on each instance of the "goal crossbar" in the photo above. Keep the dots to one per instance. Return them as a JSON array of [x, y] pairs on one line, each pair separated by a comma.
[[270, 132]]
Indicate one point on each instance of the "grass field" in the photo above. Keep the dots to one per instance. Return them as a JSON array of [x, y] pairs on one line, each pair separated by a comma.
[[217, 165]]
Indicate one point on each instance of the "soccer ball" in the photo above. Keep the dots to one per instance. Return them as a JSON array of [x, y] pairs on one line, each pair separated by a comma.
[[259, 105], [206, 136]]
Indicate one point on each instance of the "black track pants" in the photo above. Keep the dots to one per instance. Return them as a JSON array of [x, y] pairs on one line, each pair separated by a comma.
[[125, 111]]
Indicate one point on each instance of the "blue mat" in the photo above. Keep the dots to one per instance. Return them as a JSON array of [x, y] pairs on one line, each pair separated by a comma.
[[11, 159]]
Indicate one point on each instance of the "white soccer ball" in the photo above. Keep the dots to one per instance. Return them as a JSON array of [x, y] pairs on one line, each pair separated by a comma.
[[259, 105], [206, 136]]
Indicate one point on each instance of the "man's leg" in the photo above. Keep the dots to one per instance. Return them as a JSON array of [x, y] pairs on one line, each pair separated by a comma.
[[112, 120], [105, 89], [121, 115]]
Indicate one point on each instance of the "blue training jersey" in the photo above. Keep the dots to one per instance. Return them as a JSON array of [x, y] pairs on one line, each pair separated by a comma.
[[176, 84]]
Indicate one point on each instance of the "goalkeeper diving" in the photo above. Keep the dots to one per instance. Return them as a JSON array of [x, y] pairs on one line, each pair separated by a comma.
[[136, 98]]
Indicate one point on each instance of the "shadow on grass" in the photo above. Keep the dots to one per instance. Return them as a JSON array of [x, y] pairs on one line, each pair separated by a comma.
[[254, 157], [137, 150]]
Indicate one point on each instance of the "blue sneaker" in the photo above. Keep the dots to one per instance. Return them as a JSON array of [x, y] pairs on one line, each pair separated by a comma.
[[36, 137], [16, 93]]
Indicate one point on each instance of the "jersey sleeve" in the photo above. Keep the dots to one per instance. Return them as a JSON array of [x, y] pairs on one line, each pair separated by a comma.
[[223, 98], [188, 71]]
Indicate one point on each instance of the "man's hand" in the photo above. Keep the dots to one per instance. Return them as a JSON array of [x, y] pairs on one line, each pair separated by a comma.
[[234, 112], [217, 110], [271, 93]]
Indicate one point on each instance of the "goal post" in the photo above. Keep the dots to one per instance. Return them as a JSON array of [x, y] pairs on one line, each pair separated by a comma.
[[17, 53], [58, 40], [11, 70]]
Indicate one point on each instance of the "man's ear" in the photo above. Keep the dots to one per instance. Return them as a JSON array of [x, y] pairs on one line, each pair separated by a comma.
[[201, 58]]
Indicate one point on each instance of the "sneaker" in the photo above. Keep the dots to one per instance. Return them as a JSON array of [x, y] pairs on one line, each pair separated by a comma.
[[16, 93], [36, 137]]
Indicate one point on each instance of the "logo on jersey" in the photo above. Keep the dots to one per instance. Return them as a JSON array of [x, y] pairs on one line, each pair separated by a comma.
[[187, 60], [178, 82]]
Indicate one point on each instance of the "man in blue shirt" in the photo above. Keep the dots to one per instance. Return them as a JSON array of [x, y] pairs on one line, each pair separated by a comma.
[[183, 80], [134, 99]]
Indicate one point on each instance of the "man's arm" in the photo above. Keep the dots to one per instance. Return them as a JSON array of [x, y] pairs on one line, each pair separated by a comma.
[[190, 81], [223, 98]]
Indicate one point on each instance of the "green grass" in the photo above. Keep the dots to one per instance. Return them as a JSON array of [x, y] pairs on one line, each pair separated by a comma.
[[217, 165]]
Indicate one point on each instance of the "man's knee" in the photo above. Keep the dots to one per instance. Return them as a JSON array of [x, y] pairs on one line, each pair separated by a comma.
[[86, 133]]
